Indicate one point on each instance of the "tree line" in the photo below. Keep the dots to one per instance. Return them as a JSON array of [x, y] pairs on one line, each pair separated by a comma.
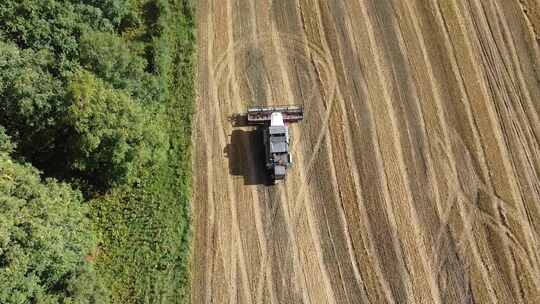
[[95, 114]]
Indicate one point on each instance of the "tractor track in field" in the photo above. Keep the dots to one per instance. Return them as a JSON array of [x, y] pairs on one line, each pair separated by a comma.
[[417, 166]]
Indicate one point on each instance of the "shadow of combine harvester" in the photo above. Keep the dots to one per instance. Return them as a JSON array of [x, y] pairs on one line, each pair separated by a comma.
[[245, 152]]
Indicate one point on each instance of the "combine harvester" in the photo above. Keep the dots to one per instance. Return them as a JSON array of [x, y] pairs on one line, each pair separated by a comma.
[[274, 122]]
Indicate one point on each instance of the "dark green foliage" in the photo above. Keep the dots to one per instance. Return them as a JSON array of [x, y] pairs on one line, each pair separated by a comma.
[[108, 56], [6, 146], [45, 238], [31, 99], [117, 62], [155, 235], [42, 24], [51, 25], [118, 12], [98, 94], [112, 137]]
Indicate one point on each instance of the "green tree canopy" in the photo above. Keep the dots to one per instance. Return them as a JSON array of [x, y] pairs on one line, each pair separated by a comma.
[[45, 238], [112, 135], [54, 25], [5, 142], [97, 94], [116, 11], [109, 57], [31, 98]]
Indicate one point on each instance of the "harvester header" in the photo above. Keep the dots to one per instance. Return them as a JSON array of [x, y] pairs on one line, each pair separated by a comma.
[[263, 115]]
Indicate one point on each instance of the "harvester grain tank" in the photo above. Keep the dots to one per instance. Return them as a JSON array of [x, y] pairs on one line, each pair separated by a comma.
[[276, 137]]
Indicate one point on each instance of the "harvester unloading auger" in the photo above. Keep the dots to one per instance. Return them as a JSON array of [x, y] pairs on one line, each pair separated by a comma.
[[274, 122]]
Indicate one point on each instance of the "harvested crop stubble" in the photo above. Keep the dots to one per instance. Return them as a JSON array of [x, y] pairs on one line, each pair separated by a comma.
[[416, 176]]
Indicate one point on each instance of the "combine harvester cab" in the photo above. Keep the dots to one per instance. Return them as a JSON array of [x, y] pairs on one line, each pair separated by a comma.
[[274, 121]]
